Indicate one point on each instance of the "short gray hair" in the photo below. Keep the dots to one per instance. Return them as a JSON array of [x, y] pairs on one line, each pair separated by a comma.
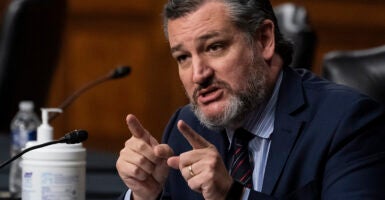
[[247, 15]]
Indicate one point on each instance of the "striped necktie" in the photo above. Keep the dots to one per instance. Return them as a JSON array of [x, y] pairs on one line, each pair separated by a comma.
[[241, 168]]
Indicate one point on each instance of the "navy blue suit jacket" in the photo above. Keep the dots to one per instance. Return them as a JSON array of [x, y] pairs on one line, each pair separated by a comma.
[[328, 142]]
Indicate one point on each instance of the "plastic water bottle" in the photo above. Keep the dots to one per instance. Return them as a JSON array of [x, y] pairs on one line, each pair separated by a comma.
[[23, 129]]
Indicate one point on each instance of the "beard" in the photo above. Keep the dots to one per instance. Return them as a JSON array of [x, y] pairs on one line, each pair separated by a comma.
[[240, 103]]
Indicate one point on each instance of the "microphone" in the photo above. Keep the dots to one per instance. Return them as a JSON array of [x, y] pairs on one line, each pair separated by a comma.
[[72, 137], [119, 72]]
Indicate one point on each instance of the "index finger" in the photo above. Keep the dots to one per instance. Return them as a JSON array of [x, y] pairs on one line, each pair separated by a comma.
[[195, 140], [137, 129]]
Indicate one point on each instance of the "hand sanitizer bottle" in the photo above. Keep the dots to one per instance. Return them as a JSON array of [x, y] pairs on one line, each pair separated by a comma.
[[53, 172]]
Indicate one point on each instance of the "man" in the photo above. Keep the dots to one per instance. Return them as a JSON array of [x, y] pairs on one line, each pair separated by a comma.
[[310, 139]]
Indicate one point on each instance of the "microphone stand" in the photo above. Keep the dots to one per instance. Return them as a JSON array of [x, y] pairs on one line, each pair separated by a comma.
[[29, 149], [117, 73], [73, 137]]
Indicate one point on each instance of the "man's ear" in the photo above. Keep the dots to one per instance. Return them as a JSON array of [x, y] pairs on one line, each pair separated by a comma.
[[266, 39]]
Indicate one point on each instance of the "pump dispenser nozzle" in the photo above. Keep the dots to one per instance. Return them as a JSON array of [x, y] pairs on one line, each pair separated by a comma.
[[45, 131]]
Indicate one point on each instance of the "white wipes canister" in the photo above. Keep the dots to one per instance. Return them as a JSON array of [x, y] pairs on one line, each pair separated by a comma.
[[54, 172]]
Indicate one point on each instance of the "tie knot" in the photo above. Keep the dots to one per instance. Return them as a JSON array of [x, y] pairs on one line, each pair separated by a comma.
[[242, 136]]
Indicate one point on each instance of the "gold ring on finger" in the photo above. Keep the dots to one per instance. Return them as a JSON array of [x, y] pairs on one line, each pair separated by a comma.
[[192, 174]]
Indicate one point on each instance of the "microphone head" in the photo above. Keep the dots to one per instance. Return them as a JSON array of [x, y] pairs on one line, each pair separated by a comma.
[[121, 72], [75, 136]]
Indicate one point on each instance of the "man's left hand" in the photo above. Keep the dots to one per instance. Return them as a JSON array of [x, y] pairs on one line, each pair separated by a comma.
[[202, 167]]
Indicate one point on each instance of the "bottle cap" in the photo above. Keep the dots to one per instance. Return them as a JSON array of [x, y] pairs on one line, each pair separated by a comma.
[[26, 105]]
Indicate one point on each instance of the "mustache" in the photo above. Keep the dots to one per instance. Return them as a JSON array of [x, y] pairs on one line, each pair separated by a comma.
[[212, 83]]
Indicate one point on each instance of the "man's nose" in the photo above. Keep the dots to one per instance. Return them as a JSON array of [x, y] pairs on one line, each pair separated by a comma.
[[202, 71]]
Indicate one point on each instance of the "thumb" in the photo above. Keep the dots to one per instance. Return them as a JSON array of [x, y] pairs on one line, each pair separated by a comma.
[[173, 162], [163, 151]]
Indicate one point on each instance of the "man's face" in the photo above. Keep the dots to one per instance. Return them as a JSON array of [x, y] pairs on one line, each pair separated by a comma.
[[222, 73]]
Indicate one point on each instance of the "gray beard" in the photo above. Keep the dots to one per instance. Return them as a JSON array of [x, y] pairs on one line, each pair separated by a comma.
[[240, 102]]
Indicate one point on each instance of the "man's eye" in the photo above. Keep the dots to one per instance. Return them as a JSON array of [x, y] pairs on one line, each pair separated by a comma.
[[181, 58], [215, 47]]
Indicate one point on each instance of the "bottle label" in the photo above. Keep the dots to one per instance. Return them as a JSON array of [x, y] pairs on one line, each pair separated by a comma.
[[53, 183], [21, 137]]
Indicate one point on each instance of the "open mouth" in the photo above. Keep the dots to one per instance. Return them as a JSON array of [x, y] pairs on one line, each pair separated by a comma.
[[209, 95]]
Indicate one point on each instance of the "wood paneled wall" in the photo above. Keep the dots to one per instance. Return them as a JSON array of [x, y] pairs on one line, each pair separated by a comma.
[[101, 35]]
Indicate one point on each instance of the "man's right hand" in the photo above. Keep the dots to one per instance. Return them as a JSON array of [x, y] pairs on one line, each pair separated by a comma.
[[142, 163]]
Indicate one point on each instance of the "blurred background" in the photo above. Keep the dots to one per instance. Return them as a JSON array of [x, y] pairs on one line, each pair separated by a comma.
[[51, 48], [98, 35]]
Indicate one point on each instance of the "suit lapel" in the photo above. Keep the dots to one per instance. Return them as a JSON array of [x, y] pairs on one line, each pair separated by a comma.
[[286, 128], [283, 140], [218, 139]]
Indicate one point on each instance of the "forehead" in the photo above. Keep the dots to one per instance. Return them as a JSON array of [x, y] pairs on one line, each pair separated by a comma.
[[210, 17]]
